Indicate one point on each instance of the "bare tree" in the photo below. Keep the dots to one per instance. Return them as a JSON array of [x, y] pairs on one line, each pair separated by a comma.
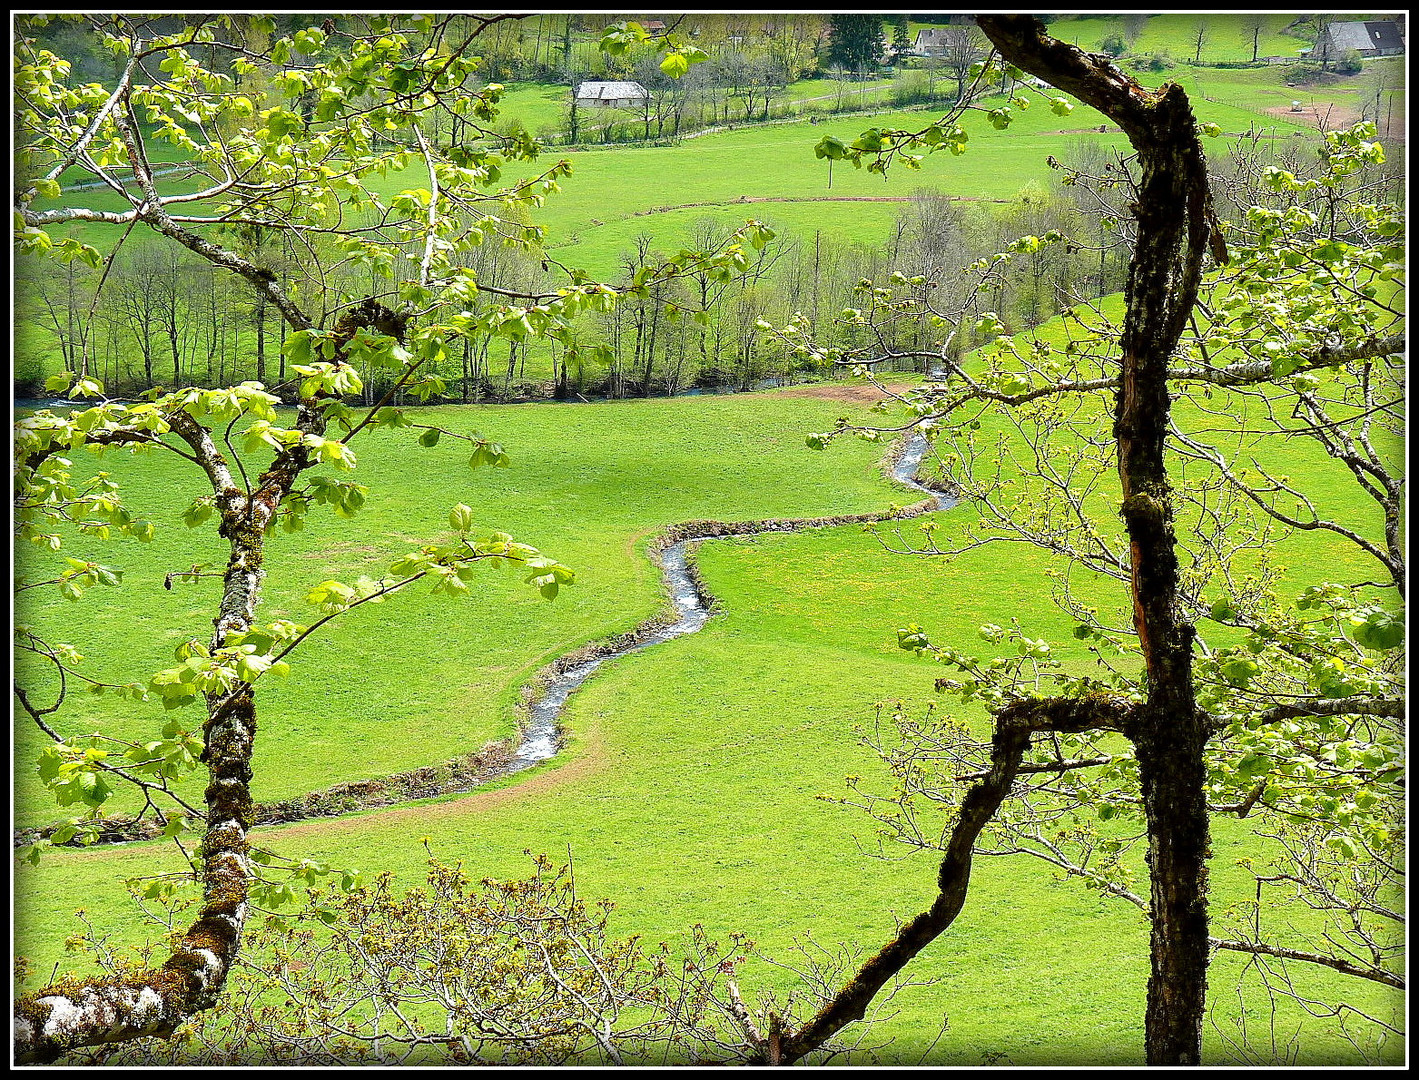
[[1200, 35], [966, 47], [1254, 25], [1189, 694]]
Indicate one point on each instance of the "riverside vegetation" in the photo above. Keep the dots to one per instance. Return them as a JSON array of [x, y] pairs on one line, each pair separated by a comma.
[[163, 315]]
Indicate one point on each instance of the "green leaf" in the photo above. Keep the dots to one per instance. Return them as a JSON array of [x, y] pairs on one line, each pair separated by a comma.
[[460, 518], [912, 638], [1239, 670], [1381, 631], [675, 65]]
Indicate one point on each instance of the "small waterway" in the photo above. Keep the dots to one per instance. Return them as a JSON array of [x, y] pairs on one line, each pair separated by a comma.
[[540, 730]]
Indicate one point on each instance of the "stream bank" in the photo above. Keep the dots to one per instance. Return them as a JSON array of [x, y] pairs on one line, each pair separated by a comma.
[[545, 697]]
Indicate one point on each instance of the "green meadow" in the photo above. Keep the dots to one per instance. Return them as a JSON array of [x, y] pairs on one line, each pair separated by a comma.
[[769, 172], [689, 787], [613, 194], [1228, 37]]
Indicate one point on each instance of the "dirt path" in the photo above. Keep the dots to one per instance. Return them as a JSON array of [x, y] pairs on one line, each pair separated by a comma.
[[591, 760], [854, 394], [1325, 117]]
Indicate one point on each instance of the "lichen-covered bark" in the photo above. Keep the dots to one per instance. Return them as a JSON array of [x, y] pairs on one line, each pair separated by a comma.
[[1176, 228], [72, 1014]]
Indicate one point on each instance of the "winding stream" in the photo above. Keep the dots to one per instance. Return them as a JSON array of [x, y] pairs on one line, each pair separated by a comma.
[[539, 728], [539, 734]]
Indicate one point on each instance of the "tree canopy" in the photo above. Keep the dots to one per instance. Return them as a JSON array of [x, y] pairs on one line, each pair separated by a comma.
[[857, 42]]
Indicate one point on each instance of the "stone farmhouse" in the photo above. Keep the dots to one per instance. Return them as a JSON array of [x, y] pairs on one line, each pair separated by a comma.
[[611, 95], [1366, 38]]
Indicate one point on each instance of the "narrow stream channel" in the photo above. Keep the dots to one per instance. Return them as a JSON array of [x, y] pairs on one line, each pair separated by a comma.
[[539, 735]]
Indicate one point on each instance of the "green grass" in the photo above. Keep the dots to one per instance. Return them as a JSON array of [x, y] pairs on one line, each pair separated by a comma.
[[612, 187], [536, 106], [1228, 37], [586, 484], [615, 195], [688, 791]]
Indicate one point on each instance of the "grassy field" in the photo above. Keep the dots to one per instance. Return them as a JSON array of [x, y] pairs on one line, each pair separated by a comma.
[[1228, 37], [689, 789], [614, 196], [588, 485], [621, 187]]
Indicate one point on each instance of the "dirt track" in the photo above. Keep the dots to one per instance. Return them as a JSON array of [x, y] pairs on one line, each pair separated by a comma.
[[745, 200], [852, 393], [1325, 117]]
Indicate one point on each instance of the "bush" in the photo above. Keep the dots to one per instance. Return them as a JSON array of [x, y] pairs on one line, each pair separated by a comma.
[[1114, 45], [916, 87], [1154, 61], [1301, 74], [1350, 64]]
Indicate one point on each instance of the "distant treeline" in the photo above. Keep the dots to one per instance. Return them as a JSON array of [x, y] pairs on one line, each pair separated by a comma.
[[165, 318]]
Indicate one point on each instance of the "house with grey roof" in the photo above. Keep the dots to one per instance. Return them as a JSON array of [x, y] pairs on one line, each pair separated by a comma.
[[941, 41], [1366, 38], [612, 95]]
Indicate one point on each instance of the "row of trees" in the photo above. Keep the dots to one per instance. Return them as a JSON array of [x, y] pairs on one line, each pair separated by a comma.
[[165, 317]]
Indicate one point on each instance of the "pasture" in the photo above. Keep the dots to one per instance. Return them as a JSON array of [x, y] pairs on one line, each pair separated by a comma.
[[699, 781], [689, 787], [765, 172]]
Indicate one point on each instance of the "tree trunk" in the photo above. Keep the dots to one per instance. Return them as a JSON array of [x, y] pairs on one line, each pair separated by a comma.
[[261, 338], [1169, 732], [1175, 227], [68, 1016], [1170, 742], [154, 1002]]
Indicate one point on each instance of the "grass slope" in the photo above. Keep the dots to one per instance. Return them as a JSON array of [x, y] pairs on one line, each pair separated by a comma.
[[689, 791], [589, 485], [770, 172]]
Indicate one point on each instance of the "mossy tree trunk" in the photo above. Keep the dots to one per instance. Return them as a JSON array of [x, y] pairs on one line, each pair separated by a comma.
[[1176, 228]]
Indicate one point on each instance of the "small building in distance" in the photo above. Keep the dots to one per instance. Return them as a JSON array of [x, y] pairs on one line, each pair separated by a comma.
[[941, 41], [611, 95], [1366, 38]]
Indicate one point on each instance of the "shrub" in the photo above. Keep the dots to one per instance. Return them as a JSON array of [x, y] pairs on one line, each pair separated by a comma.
[[1350, 64], [1154, 61], [1114, 45], [1301, 74], [915, 87]]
